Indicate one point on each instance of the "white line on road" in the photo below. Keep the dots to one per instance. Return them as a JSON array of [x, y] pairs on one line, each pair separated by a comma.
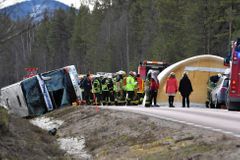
[[146, 111]]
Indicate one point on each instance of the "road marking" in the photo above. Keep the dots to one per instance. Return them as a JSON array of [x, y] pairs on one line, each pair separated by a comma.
[[191, 124], [146, 112]]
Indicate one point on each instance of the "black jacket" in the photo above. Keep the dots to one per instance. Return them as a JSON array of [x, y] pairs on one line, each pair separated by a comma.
[[185, 86], [87, 85]]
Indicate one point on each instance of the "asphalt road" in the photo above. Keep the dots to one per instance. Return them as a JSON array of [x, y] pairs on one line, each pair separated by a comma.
[[219, 120]]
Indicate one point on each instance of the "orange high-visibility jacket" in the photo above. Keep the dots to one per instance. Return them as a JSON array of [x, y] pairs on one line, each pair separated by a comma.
[[140, 85]]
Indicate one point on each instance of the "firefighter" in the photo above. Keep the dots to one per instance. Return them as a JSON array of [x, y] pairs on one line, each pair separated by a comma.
[[135, 100], [147, 90], [96, 90], [130, 87], [119, 96], [105, 91], [140, 89], [124, 90], [114, 79], [111, 91]]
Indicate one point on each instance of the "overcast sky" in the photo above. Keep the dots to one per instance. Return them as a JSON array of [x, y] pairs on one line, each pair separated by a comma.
[[76, 3]]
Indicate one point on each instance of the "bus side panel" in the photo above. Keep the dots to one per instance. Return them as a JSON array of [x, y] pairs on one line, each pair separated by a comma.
[[14, 100]]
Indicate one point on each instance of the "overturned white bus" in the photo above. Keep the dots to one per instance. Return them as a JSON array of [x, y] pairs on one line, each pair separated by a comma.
[[43, 92]]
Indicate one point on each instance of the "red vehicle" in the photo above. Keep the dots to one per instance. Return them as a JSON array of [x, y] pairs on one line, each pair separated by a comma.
[[145, 66], [233, 96]]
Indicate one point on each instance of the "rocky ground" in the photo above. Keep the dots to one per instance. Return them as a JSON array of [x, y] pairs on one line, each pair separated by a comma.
[[118, 135], [23, 141]]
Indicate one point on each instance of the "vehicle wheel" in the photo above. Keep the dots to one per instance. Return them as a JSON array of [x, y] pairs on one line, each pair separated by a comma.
[[211, 105], [207, 104], [216, 104]]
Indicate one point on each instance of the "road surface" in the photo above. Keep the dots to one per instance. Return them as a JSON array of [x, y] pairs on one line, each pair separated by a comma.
[[223, 121]]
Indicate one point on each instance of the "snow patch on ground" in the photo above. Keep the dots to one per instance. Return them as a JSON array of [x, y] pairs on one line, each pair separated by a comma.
[[74, 146], [46, 123]]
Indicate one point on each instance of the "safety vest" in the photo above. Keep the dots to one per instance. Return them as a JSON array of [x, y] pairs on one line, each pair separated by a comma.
[[110, 85], [96, 86], [105, 85], [130, 86]]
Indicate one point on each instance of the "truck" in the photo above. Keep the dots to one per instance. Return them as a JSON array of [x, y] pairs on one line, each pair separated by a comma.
[[145, 66], [233, 93]]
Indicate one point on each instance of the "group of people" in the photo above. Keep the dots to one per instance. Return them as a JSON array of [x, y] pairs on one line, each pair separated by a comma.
[[121, 89], [185, 89]]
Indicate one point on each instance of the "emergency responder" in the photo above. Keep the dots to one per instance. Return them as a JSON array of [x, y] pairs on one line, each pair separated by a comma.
[[140, 89], [130, 87], [87, 86], [114, 79], [124, 84], [135, 100], [96, 90], [119, 98], [105, 91], [111, 91], [147, 90]]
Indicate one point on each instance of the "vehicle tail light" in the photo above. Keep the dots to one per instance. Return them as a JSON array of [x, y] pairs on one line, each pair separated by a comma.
[[235, 58], [233, 86]]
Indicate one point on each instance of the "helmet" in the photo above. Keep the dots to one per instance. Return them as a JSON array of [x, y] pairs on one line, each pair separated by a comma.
[[121, 72], [131, 73], [134, 74]]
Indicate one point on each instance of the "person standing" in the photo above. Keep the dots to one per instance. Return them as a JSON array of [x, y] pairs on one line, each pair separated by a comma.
[[111, 91], [147, 90], [130, 87], [185, 88], [154, 85], [171, 88], [105, 91], [87, 85], [97, 90]]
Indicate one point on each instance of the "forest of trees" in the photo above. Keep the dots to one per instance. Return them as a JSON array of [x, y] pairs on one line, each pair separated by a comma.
[[117, 35]]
